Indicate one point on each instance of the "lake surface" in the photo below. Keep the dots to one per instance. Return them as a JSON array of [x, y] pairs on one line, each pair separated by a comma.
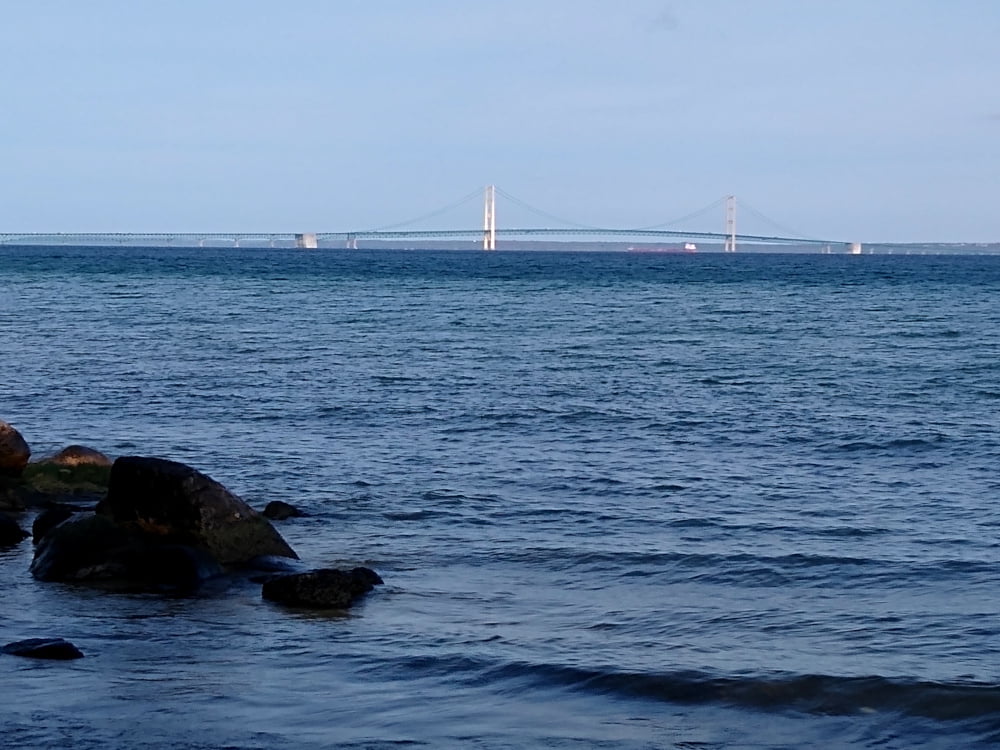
[[618, 500]]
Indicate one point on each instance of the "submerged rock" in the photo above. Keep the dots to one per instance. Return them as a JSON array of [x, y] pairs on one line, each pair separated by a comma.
[[43, 648], [10, 532], [175, 504], [14, 451], [278, 510], [326, 588]]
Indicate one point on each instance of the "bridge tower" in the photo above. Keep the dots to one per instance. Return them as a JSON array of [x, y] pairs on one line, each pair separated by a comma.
[[490, 218], [730, 224]]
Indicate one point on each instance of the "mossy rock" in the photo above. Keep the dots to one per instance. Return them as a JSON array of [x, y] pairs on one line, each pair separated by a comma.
[[44, 483], [56, 479]]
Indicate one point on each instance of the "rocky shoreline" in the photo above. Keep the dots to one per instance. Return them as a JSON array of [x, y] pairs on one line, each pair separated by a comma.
[[150, 524]]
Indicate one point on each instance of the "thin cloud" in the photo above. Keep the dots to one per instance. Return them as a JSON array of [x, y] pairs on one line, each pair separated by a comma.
[[665, 20]]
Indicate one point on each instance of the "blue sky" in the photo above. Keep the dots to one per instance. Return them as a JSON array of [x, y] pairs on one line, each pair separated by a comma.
[[870, 120]]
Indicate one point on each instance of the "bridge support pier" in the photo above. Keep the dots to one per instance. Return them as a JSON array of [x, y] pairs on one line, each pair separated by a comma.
[[306, 241]]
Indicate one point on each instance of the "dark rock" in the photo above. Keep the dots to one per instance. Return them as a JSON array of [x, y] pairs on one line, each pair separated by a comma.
[[10, 532], [10, 497], [14, 451], [43, 648], [94, 548], [172, 503], [84, 548], [48, 519], [161, 524], [278, 510], [176, 566], [327, 588], [77, 455]]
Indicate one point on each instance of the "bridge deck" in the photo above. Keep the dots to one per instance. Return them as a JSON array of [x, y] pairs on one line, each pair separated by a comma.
[[115, 238]]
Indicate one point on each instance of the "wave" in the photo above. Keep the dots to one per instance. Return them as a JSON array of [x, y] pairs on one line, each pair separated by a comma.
[[817, 694], [716, 522], [805, 693], [415, 515], [742, 568], [895, 445]]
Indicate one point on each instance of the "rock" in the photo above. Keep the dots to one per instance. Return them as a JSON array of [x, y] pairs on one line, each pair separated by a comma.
[[10, 497], [77, 455], [278, 510], [48, 519], [161, 524], [43, 648], [326, 588], [76, 473], [44, 483], [175, 566], [82, 548], [176, 504], [93, 548], [10, 532], [14, 451]]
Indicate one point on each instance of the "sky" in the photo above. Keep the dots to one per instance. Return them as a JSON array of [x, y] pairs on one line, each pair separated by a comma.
[[855, 120]]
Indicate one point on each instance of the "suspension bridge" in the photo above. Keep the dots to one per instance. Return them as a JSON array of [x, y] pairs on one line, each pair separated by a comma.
[[485, 235]]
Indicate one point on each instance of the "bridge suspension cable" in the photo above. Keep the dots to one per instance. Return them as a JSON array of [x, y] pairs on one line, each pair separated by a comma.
[[713, 206], [543, 214], [437, 212], [693, 215], [747, 208]]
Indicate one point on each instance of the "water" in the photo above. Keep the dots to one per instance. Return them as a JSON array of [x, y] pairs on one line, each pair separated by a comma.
[[619, 500]]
